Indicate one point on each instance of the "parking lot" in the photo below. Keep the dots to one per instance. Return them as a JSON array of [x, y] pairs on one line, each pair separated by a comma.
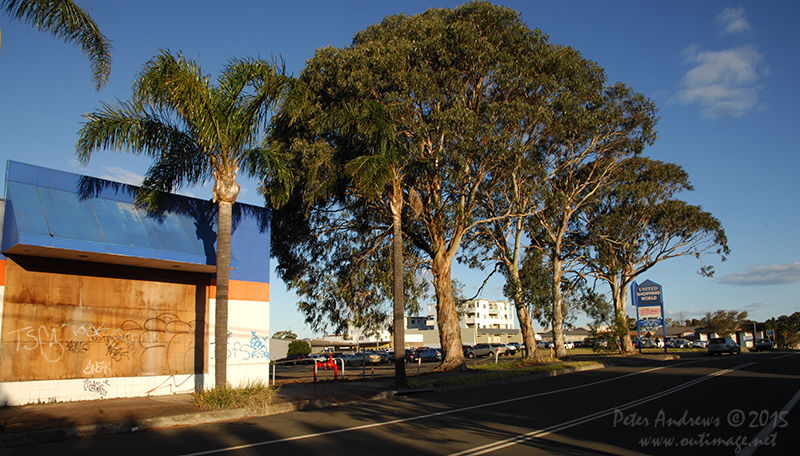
[[295, 373]]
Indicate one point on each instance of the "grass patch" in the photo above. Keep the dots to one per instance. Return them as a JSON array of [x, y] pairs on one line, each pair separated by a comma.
[[255, 396], [500, 371]]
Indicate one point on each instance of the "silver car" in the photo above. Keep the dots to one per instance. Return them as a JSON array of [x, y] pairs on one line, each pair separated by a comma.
[[720, 345]]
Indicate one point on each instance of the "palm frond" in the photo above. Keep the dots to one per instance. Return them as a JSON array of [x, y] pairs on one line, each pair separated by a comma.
[[67, 21]]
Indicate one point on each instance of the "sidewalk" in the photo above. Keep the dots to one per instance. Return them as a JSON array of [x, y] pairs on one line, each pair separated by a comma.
[[29, 424], [25, 425]]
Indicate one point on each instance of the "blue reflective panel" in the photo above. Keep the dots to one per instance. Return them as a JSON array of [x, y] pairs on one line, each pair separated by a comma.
[[27, 209], [57, 180], [201, 232], [167, 233], [22, 173], [121, 223], [68, 217]]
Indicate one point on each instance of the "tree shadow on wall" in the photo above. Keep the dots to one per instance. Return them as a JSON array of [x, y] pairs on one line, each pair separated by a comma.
[[203, 213]]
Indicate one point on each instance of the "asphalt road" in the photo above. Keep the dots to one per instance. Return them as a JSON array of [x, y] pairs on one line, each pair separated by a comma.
[[705, 405]]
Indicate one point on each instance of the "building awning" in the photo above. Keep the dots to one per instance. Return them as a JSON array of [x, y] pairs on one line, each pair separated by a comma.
[[55, 214]]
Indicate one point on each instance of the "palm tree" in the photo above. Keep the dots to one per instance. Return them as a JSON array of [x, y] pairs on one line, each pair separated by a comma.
[[196, 132], [67, 21]]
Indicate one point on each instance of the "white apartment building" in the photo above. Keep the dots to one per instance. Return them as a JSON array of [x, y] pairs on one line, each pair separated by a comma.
[[479, 313], [480, 320], [485, 314]]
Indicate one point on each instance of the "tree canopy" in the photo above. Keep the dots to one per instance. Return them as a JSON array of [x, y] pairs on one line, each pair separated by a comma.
[[286, 334], [638, 222], [724, 322]]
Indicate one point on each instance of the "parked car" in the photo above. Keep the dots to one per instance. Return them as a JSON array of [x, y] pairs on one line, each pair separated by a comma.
[[479, 350], [681, 343], [410, 357], [369, 357], [429, 354], [346, 358], [500, 349], [569, 345], [513, 347], [763, 344], [316, 358], [720, 345], [645, 343], [541, 344], [293, 359], [699, 344]]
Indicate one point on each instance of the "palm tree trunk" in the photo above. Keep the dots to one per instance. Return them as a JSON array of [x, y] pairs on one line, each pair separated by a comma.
[[224, 221]]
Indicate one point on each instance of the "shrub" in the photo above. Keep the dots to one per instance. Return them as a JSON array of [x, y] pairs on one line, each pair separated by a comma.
[[299, 347]]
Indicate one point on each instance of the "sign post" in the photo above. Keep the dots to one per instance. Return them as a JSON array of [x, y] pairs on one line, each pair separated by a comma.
[[645, 297]]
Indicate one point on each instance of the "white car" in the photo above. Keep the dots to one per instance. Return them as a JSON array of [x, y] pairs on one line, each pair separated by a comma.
[[699, 344], [720, 345]]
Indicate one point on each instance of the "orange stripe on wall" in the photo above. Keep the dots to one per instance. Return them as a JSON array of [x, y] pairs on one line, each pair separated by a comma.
[[242, 291], [2, 273]]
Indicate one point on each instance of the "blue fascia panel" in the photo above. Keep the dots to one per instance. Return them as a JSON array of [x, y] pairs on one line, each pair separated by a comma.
[[182, 257], [21, 172], [250, 244], [45, 209], [10, 230], [70, 218], [79, 246], [120, 223], [132, 252], [34, 240], [57, 180], [166, 233], [24, 204]]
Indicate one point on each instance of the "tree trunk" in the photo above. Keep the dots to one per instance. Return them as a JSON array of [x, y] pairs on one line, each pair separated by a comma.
[[558, 317], [399, 298], [224, 194], [627, 343], [223, 274], [525, 323], [619, 295], [447, 317]]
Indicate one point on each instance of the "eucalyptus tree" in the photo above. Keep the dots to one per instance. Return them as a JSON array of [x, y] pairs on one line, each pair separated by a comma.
[[598, 127], [196, 132], [69, 22], [638, 223], [448, 81]]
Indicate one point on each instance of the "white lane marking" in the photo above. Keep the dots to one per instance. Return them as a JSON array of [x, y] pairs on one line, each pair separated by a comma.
[[494, 446], [431, 415], [761, 437], [784, 356]]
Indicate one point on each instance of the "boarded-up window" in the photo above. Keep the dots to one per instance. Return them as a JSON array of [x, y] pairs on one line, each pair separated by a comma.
[[67, 319]]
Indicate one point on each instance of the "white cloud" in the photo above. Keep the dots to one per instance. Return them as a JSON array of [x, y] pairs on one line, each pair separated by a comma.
[[724, 83], [757, 305], [776, 274], [733, 20], [117, 174]]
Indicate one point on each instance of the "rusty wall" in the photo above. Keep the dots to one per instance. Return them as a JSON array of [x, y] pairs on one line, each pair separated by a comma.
[[67, 319]]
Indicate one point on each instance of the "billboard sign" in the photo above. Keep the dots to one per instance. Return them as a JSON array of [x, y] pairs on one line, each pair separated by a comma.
[[648, 294]]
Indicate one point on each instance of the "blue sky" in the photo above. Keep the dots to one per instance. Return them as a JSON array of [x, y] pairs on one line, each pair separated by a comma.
[[723, 75]]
